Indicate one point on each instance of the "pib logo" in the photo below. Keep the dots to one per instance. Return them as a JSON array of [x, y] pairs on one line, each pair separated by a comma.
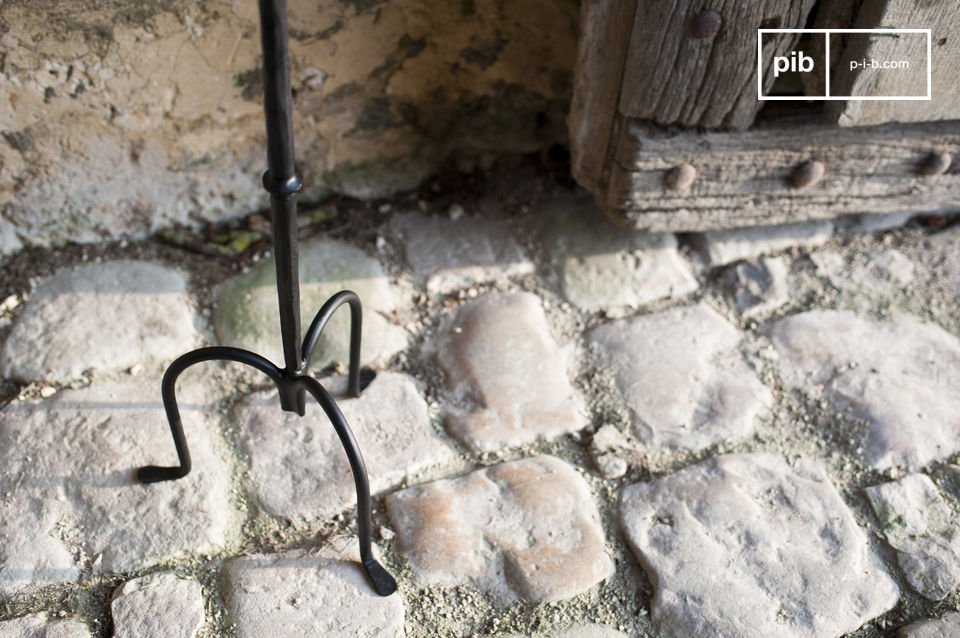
[[884, 58], [797, 62]]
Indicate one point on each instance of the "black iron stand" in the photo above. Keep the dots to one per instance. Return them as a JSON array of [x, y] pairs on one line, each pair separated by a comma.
[[283, 181]]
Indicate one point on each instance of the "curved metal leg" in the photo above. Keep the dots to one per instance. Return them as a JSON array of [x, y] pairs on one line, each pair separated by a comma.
[[320, 322], [380, 578], [155, 473]]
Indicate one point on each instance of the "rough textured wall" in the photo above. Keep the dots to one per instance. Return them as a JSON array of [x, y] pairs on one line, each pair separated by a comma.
[[121, 116]]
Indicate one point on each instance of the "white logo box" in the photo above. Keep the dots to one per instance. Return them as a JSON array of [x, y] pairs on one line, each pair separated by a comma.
[[827, 97]]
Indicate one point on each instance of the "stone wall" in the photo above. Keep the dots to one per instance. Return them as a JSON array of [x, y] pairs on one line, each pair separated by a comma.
[[123, 116]]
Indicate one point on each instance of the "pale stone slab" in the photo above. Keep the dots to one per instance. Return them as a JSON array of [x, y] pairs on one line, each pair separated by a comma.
[[298, 463], [37, 626], [900, 378], [918, 523], [604, 267], [101, 317], [868, 223], [449, 254], [157, 605], [506, 378], [248, 317], [760, 286], [727, 246], [69, 500], [750, 545], [948, 626], [307, 594], [880, 271], [682, 377], [526, 529]]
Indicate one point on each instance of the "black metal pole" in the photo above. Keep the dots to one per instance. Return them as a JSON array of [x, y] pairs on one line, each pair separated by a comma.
[[283, 181], [281, 178]]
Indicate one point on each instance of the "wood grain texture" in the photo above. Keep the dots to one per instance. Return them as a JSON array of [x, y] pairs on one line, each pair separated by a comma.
[[744, 178], [602, 49], [673, 77], [943, 18]]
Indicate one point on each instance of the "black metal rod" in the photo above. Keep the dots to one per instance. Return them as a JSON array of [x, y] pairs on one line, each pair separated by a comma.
[[277, 96], [282, 181], [382, 581], [168, 390], [281, 178], [356, 328]]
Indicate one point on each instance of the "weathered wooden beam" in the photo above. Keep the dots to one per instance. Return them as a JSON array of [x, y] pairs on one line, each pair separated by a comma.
[[762, 176], [604, 36], [943, 18], [695, 63]]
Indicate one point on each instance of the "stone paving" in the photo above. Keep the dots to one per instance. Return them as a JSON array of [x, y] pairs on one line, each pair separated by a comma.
[[158, 605], [682, 377], [506, 379], [748, 545], [304, 594], [526, 529], [899, 377], [573, 432], [917, 522]]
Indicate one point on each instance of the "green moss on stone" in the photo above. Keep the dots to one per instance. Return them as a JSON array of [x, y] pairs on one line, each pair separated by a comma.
[[20, 141], [485, 55], [359, 6], [383, 113], [250, 84], [407, 48]]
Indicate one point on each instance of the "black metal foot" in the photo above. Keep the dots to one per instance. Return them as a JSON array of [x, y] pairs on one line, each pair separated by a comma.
[[366, 378], [383, 583], [155, 474]]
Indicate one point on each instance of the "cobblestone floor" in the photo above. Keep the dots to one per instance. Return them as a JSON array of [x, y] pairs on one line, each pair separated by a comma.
[[574, 432]]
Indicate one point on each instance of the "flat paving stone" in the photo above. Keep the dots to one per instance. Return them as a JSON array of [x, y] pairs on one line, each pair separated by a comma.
[[450, 254], [101, 317], [947, 626], [507, 379], [298, 464], [682, 377], [751, 545], [601, 267], [868, 223], [727, 246], [322, 593], [157, 605], [919, 524], [525, 529], [898, 379], [69, 500], [247, 313], [760, 286], [880, 271], [37, 626]]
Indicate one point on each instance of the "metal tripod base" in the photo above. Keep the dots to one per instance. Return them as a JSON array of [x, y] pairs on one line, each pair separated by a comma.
[[293, 386]]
